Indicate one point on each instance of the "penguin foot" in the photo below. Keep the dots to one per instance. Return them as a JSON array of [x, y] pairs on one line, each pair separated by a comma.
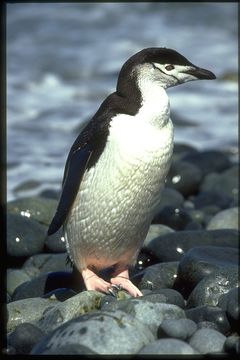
[[122, 280], [94, 282]]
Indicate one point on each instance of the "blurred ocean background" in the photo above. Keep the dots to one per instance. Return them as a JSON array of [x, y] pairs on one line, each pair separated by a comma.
[[63, 59]]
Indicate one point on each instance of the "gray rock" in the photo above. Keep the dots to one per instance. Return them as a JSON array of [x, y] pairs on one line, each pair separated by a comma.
[[37, 208], [69, 309], [15, 277], [25, 237], [211, 287], [230, 303], [71, 349], [232, 344], [226, 219], [172, 247], [168, 347], [24, 337], [56, 242], [207, 341], [27, 310], [159, 276], [102, 332], [169, 296], [170, 197], [43, 263], [156, 230], [181, 329]]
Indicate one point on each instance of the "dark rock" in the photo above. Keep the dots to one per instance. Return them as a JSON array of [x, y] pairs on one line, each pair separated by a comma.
[[71, 349], [184, 177], [232, 344], [43, 284], [50, 194], [180, 150], [201, 261], [25, 237], [60, 294], [107, 299], [208, 198], [212, 314], [211, 287], [37, 208], [43, 263], [172, 247], [170, 197], [155, 231], [56, 243], [226, 219], [145, 259], [98, 331], [168, 296], [230, 303], [15, 277], [207, 341], [180, 329], [225, 183], [167, 347], [159, 276], [208, 160], [207, 324], [176, 218], [24, 337]]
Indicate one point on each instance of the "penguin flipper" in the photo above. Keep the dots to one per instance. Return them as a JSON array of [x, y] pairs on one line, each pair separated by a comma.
[[76, 166]]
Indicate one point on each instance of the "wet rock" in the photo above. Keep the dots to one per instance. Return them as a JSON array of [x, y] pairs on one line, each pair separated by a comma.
[[209, 314], [184, 177], [208, 198], [168, 296], [60, 294], [25, 237], [15, 278], [43, 284], [156, 230], [211, 287], [43, 263], [172, 247], [167, 347], [69, 309], [200, 262], [37, 208], [232, 344], [230, 303], [225, 183], [177, 218], [207, 341], [207, 324], [24, 337], [98, 331], [56, 243], [226, 219], [181, 329], [162, 275], [71, 349], [181, 149], [170, 197], [27, 310]]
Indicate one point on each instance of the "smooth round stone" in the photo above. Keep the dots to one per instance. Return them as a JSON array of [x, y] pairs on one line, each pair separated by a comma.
[[168, 296], [230, 303], [106, 300], [172, 247], [156, 230], [209, 160], [37, 208], [176, 218], [84, 302], [181, 149], [56, 243], [201, 261], [181, 329], [50, 194], [158, 276], [26, 310], [150, 314], [207, 324], [207, 341], [168, 347], [25, 237], [145, 258], [102, 332], [43, 263], [170, 197], [72, 349], [24, 337], [211, 287], [225, 183], [184, 177], [232, 344], [226, 219], [42, 284], [60, 294], [15, 278], [212, 314], [208, 198]]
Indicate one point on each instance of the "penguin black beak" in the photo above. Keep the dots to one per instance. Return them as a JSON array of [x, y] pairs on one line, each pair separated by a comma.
[[201, 74]]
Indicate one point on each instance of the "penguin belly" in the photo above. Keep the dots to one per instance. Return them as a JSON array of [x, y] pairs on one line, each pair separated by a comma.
[[119, 195]]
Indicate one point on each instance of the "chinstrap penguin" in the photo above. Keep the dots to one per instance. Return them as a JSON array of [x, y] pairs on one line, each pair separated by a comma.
[[117, 166]]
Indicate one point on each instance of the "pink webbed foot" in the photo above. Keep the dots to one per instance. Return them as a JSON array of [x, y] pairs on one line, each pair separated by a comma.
[[122, 280], [94, 282]]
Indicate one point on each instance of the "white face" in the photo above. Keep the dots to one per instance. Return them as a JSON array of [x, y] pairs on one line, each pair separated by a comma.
[[166, 75]]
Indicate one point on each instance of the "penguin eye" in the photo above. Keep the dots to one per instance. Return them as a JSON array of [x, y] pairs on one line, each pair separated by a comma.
[[169, 67]]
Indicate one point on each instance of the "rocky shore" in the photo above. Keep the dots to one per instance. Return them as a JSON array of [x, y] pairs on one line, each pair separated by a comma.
[[187, 270]]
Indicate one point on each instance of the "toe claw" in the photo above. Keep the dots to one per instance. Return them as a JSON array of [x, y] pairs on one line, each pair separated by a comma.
[[114, 289]]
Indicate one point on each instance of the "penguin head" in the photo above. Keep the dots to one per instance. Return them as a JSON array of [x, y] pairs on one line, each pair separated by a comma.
[[162, 66]]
